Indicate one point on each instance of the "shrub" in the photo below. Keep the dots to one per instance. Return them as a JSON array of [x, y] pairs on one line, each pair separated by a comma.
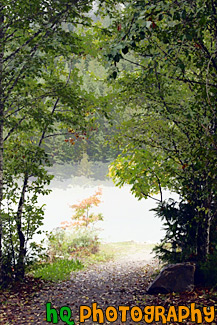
[[77, 238], [206, 273], [179, 243], [76, 244]]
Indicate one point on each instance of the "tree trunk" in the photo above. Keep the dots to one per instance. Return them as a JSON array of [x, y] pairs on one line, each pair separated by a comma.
[[1, 134], [20, 267], [203, 236]]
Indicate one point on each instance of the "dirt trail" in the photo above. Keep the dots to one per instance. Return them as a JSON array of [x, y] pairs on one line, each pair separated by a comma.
[[121, 282]]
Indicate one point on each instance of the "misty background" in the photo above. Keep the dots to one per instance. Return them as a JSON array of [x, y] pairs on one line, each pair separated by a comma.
[[125, 217]]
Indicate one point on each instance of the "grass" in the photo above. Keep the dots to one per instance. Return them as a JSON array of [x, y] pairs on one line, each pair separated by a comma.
[[101, 256], [113, 251], [119, 249], [59, 270]]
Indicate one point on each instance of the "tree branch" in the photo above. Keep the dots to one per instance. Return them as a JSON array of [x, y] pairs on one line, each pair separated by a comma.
[[151, 197], [14, 128]]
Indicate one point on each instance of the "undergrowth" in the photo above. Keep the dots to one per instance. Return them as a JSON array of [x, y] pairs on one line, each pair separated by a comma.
[[59, 270]]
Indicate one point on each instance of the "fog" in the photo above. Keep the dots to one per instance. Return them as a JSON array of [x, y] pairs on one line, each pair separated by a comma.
[[125, 217]]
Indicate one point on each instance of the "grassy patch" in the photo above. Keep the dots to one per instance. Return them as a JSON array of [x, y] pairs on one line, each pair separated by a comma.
[[59, 270], [120, 249], [114, 251], [101, 256]]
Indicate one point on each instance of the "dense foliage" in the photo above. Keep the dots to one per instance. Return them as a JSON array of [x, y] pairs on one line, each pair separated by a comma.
[[169, 137], [41, 96]]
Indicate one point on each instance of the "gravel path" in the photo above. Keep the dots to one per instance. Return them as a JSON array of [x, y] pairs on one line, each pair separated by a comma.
[[119, 283], [116, 283]]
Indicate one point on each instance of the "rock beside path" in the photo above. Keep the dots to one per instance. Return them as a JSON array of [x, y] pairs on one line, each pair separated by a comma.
[[174, 278]]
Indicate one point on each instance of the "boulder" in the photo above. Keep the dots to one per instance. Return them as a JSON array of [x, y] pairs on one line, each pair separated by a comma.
[[174, 278]]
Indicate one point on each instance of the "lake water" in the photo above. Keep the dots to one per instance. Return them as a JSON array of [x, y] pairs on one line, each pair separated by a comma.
[[125, 218]]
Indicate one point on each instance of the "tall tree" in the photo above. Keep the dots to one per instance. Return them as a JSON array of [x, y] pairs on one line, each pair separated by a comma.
[[38, 95], [170, 139], [25, 153]]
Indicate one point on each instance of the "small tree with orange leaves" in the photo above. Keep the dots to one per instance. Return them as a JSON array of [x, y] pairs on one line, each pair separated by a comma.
[[83, 217], [84, 240]]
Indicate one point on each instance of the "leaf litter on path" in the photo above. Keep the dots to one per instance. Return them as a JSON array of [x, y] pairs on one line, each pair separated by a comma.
[[115, 283]]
